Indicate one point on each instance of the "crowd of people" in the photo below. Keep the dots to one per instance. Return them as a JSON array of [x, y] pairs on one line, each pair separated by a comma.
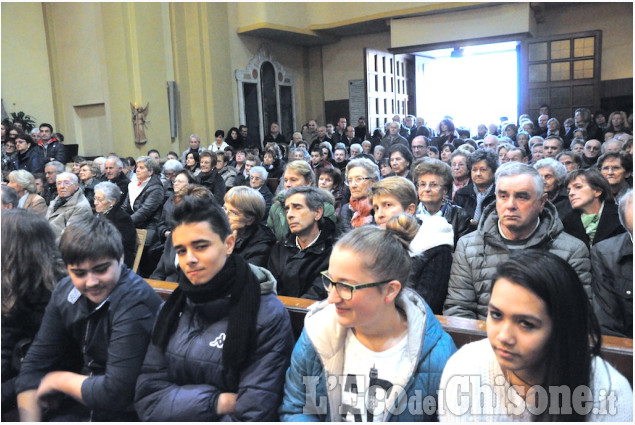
[[524, 224]]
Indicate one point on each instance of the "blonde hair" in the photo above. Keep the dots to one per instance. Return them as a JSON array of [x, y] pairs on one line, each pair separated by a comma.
[[304, 169], [384, 253], [399, 187], [248, 201]]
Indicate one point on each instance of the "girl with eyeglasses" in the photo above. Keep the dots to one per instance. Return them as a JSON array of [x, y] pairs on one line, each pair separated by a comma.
[[373, 346]]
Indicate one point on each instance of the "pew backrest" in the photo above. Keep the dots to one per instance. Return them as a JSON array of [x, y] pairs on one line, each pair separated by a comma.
[[617, 351]]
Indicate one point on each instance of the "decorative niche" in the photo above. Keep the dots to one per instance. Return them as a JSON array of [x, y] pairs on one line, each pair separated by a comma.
[[266, 94]]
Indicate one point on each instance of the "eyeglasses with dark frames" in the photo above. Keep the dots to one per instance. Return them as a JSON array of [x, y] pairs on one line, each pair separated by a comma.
[[346, 290]]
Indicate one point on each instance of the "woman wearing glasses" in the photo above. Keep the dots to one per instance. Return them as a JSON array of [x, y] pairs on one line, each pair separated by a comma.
[[245, 208], [361, 173], [258, 180], [373, 349], [433, 179]]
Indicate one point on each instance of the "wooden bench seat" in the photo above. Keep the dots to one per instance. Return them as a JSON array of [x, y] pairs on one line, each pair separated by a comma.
[[617, 351]]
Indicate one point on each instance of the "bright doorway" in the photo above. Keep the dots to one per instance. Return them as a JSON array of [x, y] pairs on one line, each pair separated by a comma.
[[473, 85]]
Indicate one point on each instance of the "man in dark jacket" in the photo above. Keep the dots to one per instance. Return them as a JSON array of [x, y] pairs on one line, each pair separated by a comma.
[[274, 135], [84, 361], [521, 218], [52, 147], [113, 170], [612, 264], [29, 155], [296, 262]]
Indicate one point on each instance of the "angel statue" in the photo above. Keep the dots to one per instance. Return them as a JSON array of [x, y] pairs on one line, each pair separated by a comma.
[[139, 122]]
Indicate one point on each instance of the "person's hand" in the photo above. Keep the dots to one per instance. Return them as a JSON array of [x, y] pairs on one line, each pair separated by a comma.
[[226, 403], [48, 393]]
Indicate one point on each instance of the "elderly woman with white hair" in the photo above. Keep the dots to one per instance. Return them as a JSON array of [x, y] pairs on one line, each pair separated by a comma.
[[554, 174], [107, 197], [361, 173], [258, 180], [170, 168], [24, 183]]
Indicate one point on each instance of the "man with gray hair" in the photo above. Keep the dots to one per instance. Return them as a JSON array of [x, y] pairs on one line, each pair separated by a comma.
[[70, 204], [490, 142], [296, 262], [393, 137], [195, 145], [521, 218], [113, 171], [9, 197], [356, 149], [51, 170], [612, 265]]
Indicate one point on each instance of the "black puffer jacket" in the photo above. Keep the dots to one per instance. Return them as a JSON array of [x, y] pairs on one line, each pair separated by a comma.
[[256, 244], [182, 382], [55, 150]]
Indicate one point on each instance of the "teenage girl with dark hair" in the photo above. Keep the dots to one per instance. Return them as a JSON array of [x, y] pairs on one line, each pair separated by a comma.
[[542, 337]]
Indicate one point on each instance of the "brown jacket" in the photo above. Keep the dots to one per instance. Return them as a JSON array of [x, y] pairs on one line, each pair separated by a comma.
[[36, 203]]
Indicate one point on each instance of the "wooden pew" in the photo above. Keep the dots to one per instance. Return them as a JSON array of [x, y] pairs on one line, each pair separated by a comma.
[[617, 351]]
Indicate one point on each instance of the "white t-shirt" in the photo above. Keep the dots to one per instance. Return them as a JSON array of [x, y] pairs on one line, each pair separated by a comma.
[[368, 378], [473, 388]]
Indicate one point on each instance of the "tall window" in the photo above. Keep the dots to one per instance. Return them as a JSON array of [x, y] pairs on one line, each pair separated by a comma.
[[563, 72], [387, 81], [473, 85], [266, 95]]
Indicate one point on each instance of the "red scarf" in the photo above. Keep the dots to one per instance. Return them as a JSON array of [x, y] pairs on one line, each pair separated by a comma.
[[362, 210]]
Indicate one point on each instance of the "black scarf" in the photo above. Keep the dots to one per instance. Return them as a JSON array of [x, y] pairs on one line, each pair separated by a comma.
[[59, 202], [236, 281]]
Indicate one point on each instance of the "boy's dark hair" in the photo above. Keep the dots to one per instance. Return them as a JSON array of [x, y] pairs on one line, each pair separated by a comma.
[[90, 238], [191, 209]]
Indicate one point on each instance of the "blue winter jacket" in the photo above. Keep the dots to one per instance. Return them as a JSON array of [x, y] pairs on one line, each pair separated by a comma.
[[318, 360], [182, 383]]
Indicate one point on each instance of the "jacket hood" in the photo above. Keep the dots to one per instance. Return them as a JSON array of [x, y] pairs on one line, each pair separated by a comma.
[[268, 284], [550, 225], [434, 231], [328, 337]]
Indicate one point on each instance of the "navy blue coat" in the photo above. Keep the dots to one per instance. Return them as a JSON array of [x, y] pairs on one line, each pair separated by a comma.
[[183, 382], [107, 343]]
